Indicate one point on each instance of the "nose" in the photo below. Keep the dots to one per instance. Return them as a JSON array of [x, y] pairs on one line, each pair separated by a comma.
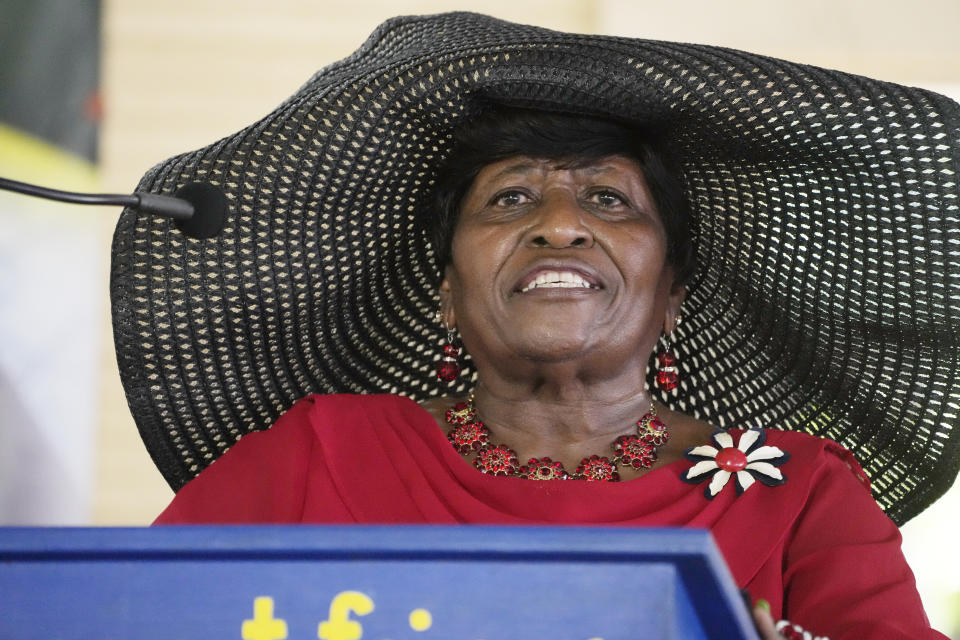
[[560, 223]]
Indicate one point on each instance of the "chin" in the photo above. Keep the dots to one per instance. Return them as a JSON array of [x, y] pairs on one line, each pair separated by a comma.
[[552, 347]]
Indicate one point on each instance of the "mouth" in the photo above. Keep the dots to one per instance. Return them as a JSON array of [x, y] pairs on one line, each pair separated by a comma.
[[557, 278]]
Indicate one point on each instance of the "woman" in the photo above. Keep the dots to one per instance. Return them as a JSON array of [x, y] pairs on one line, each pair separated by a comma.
[[565, 257]]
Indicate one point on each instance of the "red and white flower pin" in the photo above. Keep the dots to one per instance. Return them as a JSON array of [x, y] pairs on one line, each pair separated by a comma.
[[749, 460]]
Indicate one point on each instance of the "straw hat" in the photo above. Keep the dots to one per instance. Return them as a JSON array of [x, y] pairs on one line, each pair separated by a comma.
[[826, 222]]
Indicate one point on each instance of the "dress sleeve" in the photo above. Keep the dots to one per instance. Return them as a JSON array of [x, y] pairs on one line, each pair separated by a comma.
[[261, 479], [845, 576]]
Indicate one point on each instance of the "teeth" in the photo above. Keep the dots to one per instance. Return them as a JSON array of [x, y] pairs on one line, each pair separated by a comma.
[[554, 279]]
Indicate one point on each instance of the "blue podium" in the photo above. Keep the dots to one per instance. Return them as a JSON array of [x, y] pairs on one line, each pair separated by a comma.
[[379, 583]]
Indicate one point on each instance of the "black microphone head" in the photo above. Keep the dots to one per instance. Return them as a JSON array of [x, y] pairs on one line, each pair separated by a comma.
[[209, 209]]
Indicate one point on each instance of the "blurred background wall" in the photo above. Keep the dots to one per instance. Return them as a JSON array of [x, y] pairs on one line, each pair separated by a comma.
[[51, 261], [180, 74]]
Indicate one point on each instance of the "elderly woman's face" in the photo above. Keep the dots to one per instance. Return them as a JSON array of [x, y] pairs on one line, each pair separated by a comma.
[[554, 263]]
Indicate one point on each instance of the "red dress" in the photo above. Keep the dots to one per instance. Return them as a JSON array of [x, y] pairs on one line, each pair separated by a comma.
[[818, 547]]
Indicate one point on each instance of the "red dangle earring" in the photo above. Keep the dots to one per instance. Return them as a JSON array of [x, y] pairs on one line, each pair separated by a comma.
[[448, 369], [667, 376], [667, 372]]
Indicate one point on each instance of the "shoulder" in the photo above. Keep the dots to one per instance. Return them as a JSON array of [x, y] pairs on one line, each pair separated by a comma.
[[264, 476], [319, 409], [821, 454], [349, 402], [799, 461], [309, 419]]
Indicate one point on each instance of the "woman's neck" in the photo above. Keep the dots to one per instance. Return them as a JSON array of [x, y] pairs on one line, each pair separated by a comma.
[[566, 419]]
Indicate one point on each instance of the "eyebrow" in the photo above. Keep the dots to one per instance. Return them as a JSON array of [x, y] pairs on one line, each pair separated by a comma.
[[520, 168], [593, 169]]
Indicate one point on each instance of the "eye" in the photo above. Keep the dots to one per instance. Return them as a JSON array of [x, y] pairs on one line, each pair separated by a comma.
[[511, 198], [608, 198]]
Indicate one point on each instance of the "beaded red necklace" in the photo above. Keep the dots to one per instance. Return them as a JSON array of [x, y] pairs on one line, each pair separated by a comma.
[[469, 435]]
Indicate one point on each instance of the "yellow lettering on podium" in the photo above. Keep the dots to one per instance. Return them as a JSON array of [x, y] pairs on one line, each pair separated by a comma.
[[339, 626], [420, 620], [263, 626]]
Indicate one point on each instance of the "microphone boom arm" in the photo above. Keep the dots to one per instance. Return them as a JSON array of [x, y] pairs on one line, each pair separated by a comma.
[[167, 206], [198, 209]]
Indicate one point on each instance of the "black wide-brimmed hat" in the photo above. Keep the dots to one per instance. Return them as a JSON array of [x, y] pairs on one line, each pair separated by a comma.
[[827, 227]]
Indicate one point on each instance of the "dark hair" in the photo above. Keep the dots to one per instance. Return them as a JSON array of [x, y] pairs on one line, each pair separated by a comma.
[[501, 132]]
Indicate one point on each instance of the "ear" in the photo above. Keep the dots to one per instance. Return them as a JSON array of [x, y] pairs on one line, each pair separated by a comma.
[[671, 318], [448, 317]]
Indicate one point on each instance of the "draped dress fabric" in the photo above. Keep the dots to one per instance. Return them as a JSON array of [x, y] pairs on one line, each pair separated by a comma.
[[818, 548]]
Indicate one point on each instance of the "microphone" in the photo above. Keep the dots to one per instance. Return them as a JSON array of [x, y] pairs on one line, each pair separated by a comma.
[[198, 209]]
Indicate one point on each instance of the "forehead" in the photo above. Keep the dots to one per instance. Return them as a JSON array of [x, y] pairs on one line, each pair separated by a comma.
[[616, 166]]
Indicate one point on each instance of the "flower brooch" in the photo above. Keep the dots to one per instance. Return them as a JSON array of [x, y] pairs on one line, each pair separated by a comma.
[[749, 460]]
